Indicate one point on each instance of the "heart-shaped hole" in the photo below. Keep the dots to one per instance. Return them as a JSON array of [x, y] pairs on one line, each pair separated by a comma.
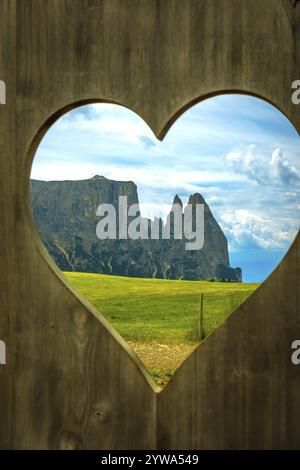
[[235, 156]]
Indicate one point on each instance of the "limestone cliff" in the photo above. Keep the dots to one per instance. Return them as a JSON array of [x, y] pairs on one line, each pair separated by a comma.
[[65, 213]]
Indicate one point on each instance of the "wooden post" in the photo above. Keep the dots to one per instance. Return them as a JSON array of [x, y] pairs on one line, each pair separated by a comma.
[[201, 331]]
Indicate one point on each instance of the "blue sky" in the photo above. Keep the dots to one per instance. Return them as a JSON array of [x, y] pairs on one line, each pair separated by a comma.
[[239, 152]]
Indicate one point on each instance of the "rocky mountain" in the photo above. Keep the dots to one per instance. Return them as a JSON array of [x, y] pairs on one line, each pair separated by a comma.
[[65, 213]]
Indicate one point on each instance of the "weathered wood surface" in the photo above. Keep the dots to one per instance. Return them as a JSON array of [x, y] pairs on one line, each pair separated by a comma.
[[70, 381]]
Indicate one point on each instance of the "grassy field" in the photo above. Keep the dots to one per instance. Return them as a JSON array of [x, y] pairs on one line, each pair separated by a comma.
[[159, 318]]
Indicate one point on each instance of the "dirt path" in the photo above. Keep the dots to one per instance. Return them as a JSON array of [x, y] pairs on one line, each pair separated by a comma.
[[161, 360]]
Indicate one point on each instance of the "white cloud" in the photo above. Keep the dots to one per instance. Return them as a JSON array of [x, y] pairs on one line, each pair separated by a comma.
[[109, 120], [214, 200], [247, 229], [261, 169], [151, 176], [281, 170]]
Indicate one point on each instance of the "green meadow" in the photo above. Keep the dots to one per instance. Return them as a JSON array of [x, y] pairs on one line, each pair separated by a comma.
[[158, 316]]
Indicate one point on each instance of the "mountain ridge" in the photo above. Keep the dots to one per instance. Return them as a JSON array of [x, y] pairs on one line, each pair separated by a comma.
[[65, 213]]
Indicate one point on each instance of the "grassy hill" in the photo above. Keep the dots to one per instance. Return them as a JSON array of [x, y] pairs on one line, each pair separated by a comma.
[[158, 317]]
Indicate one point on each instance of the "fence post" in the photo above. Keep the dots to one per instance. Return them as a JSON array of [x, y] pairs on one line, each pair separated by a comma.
[[201, 331]]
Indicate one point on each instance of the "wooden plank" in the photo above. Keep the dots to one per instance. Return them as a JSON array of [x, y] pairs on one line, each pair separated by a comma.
[[8, 288]]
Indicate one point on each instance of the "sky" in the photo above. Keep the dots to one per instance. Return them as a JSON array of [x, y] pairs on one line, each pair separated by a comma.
[[239, 152]]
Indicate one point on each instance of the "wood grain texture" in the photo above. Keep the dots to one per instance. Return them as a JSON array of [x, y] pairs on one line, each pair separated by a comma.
[[70, 381]]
